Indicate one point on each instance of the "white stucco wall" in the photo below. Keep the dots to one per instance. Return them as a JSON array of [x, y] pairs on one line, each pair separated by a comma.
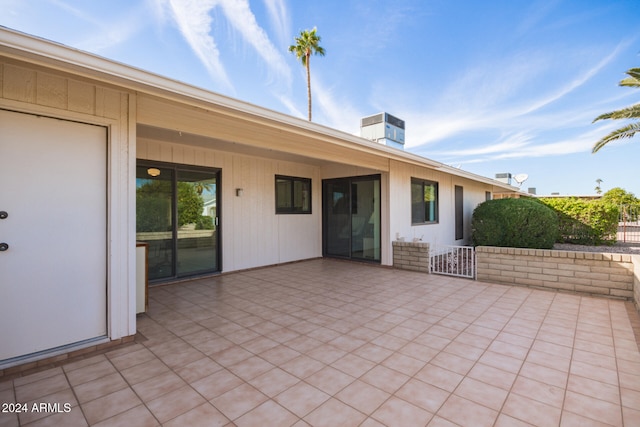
[[443, 232]]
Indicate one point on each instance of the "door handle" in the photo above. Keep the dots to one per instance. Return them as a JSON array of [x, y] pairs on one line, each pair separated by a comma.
[[3, 247], [3, 214]]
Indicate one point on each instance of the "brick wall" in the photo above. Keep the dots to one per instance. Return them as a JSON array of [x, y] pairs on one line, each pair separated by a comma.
[[411, 256], [601, 274]]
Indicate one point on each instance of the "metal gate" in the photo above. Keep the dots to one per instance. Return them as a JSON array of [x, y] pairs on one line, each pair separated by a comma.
[[629, 224], [459, 261]]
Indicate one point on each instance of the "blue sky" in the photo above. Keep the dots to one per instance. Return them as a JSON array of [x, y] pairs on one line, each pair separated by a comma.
[[487, 86]]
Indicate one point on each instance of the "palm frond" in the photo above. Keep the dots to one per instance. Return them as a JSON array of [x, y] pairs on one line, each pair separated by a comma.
[[632, 112], [633, 80], [624, 132]]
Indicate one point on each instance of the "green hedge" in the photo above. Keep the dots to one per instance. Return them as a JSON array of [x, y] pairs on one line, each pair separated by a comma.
[[517, 223], [585, 222]]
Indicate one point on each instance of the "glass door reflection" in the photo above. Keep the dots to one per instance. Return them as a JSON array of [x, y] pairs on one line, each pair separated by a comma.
[[177, 215]]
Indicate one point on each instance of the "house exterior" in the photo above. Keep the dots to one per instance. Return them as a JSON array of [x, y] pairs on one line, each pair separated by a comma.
[[113, 152]]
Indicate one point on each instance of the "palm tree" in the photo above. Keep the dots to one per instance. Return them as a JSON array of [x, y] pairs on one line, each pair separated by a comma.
[[307, 44], [632, 112]]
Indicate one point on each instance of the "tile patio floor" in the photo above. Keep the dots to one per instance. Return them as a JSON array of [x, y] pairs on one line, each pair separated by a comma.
[[330, 343]]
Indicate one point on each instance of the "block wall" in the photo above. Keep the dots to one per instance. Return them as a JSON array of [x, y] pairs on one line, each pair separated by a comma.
[[602, 274], [411, 256]]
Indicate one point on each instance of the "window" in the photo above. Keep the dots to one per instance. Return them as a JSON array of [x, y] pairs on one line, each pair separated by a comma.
[[293, 195], [459, 208], [424, 201]]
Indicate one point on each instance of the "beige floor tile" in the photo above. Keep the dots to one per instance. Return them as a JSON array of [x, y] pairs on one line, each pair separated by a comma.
[[197, 370], [100, 387], [217, 384], [144, 371], [91, 372], [531, 411], [398, 412], [61, 401], [42, 387], [596, 389], [175, 403], [47, 373], [539, 391], [238, 401], [586, 370], [385, 379], [492, 376], [570, 419], [204, 415], [157, 386], [274, 382], [138, 416], [330, 380], [439, 377], [353, 365], [423, 395], [372, 352], [362, 396], [112, 404], [467, 413], [335, 413], [593, 408], [251, 368], [482, 393], [128, 360], [73, 418], [301, 399], [302, 366], [451, 362], [267, 412]]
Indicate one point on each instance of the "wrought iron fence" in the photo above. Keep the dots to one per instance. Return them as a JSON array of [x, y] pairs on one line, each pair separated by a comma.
[[629, 224], [459, 261]]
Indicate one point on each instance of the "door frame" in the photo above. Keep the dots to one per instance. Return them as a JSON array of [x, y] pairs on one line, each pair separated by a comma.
[[325, 213], [113, 327], [176, 167]]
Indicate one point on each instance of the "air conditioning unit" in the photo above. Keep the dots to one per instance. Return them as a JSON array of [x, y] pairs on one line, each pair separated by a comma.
[[504, 177], [384, 129]]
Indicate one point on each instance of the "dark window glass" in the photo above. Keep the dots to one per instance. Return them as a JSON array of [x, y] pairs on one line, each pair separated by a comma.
[[459, 206], [293, 195], [424, 201]]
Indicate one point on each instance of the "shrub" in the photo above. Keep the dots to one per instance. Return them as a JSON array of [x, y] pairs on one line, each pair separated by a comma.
[[585, 222], [517, 223]]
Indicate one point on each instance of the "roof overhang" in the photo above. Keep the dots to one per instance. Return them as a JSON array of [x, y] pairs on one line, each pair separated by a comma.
[[299, 137]]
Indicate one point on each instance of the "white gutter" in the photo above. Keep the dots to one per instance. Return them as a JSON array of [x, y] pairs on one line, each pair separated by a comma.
[[45, 52]]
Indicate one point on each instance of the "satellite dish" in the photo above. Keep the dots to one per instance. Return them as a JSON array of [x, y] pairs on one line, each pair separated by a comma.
[[520, 178]]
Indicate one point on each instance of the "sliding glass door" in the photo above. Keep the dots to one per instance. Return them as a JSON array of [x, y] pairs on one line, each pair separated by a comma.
[[177, 216], [351, 218]]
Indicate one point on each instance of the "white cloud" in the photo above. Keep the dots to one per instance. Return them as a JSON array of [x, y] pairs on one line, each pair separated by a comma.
[[193, 18], [280, 20], [239, 14], [338, 113], [194, 22]]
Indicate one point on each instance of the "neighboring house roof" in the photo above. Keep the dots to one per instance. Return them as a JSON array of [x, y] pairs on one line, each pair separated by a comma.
[[23, 47]]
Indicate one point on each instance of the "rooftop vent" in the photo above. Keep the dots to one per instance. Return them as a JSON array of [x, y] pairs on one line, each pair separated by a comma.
[[504, 177], [384, 129]]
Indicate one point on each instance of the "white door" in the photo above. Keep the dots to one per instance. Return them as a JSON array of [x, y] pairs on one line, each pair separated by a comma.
[[53, 274]]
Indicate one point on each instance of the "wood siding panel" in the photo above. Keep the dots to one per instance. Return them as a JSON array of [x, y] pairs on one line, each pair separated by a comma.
[[81, 97], [51, 91], [252, 234], [19, 84]]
